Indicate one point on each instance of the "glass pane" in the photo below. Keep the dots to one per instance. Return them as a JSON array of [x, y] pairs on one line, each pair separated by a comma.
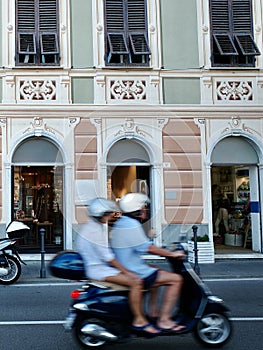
[[38, 202]]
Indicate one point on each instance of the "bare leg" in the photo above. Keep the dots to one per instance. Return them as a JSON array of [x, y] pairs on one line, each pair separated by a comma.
[[173, 284], [153, 303], [135, 300]]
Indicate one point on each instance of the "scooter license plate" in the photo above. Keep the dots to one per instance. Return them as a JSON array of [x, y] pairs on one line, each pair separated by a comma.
[[69, 321]]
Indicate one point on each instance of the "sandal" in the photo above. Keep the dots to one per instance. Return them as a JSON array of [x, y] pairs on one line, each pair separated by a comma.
[[142, 330]]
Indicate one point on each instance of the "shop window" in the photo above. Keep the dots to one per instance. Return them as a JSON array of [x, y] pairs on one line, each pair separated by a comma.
[[231, 206], [232, 41], [38, 202], [37, 32], [126, 37]]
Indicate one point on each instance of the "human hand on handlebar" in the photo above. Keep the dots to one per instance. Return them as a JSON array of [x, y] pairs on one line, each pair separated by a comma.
[[179, 254]]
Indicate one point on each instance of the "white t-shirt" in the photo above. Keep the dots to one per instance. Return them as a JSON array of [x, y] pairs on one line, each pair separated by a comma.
[[93, 247]]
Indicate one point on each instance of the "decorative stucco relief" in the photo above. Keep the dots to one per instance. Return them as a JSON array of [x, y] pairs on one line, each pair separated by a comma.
[[236, 125], [39, 126], [227, 90], [127, 89], [129, 128], [37, 90]]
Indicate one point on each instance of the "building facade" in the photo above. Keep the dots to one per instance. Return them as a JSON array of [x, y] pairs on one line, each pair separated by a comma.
[[104, 97]]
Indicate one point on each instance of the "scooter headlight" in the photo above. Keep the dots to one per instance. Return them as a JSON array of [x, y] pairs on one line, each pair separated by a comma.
[[215, 299]]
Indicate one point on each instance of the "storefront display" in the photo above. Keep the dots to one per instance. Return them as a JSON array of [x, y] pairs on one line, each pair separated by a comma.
[[38, 203], [231, 205]]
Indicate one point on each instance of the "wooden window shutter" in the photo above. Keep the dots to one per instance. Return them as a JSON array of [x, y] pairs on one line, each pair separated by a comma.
[[115, 24], [26, 28], [37, 31], [114, 15], [126, 32], [242, 27], [136, 10], [48, 26], [220, 23], [232, 31], [225, 44]]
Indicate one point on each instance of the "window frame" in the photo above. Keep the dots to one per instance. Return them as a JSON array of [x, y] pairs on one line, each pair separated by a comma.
[[232, 40], [123, 26], [39, 57]]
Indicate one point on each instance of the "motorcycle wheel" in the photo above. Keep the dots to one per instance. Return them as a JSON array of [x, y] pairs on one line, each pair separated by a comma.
[[14, 271], [213, 330], [87, 341]]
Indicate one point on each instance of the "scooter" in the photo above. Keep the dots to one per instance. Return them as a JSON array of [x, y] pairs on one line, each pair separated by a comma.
[[100, 313], [10, 261]]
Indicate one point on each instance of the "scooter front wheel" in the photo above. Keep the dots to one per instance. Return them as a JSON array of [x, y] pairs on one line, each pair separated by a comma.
[[213, 330], [13, 271]]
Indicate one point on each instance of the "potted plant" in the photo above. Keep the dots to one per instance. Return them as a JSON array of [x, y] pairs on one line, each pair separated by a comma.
[[205, 250]]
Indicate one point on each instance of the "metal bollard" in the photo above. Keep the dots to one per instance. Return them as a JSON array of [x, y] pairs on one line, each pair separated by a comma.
[[42, 251], [196, 265]]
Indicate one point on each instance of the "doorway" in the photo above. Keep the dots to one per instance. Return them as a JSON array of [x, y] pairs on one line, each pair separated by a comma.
[[129, 178], [231, 212], [38, 202], [37, 182], [235, 194]]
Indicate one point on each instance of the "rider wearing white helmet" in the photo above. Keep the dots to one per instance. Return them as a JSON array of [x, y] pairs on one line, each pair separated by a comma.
[[100, 262], [129, 243]]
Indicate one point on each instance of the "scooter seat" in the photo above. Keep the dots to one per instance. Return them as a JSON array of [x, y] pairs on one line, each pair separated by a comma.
[[110, 285]]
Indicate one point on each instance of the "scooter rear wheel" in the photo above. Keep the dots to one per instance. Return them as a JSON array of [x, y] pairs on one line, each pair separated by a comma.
[[213, 330], [14, 271], [88, 341]]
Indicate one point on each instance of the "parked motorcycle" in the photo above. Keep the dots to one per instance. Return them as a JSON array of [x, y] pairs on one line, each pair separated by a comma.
[[10, 261], [100, 313]]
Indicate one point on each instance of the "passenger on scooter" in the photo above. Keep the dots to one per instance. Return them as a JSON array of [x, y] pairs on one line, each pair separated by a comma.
[[101, 264], [129, 242]]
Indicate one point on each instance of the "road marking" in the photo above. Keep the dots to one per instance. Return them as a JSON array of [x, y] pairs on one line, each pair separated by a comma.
[[27, 323], [58, 284], [47, 284], [241, 279], [30, 323], [247, 319]]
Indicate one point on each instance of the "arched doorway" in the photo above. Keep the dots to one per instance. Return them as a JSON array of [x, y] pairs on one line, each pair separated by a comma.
[[37, 174], [235, 196], [129, 170]]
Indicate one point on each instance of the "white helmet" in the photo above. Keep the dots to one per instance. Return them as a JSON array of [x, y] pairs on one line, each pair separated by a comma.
[[100, 206], [131, 202]]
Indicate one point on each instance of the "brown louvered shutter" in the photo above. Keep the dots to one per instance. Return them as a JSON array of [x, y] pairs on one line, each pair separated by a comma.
[[37, 32], [232, 32], [26, 30], [116, 39], [126, 34], [48, 30], [137, 27], [220, 25], [242, 27]]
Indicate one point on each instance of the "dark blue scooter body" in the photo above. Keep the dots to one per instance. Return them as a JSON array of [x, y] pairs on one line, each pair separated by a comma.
[[100, 314]]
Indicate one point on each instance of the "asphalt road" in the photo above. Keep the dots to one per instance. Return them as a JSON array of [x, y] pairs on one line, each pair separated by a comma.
[[32, 316]]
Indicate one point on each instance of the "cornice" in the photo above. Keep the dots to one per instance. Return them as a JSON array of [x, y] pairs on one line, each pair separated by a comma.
[[136, 110]]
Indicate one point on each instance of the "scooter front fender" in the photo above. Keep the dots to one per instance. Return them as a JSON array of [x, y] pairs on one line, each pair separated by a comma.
[[214, 306]]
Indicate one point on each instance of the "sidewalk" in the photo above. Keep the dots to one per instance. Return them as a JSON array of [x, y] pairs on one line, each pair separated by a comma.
[[226, 268]]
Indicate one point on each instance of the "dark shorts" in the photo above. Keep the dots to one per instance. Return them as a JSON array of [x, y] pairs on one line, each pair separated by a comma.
[[150, 280]]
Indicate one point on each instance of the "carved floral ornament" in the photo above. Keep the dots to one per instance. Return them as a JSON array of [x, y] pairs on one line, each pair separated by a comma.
[[37, 90], [127, 89], [234, 90]]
